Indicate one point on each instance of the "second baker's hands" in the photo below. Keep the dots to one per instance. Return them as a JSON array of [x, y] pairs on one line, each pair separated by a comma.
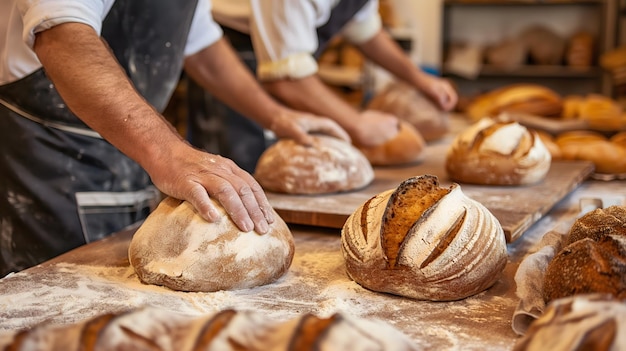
[[298, 126], [193, 175], [439, 90], [374, 128]]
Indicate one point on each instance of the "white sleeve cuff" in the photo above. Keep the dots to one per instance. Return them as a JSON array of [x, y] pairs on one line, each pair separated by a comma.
[[358, 32], [293, 67]]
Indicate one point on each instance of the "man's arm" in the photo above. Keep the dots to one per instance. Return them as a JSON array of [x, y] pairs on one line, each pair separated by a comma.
[[219, 70], [384, 51], [97, 90]]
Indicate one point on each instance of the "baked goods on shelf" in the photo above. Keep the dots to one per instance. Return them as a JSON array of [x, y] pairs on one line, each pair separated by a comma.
[[607, 156], [150, 328], [424, 241], [406, 147], [177, 248], [584, 322], [331, 165], [516, 98], [497, 152], [410, 105]]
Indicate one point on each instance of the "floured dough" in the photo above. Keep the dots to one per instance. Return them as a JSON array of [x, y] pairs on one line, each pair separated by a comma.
[[178, 249]]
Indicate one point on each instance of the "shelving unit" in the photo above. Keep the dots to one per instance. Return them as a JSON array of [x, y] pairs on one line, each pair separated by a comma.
[[501, 18]]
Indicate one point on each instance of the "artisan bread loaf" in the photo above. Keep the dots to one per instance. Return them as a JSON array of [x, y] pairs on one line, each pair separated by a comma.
[[408, 104], [550, 144], [177, 248], [425, 242], [598, 224], [607, 156], [531, 99], [406, 147], [497, 152], [584, 322], [331, 165], [150, 328]]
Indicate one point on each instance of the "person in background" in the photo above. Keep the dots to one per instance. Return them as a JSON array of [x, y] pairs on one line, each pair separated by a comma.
[[85, 150], [280, 41]]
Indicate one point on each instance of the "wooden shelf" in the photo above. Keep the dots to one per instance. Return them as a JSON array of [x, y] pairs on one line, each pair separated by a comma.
[[538, 71]]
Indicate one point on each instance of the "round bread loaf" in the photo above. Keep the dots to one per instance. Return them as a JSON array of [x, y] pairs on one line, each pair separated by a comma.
[[406, 147], [598, 223], [497, 152], [177, 248], [150, 328], [587, 266], [408, 104], [608, 157], [584, 322], [331, 165], [424, 242], [550, 144]]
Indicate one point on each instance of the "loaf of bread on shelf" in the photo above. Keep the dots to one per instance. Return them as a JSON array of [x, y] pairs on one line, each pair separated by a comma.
[[178, 249], [406, 147], [584, 322], [531, 99], [607, 156], [151, 328], [410, 105], [545, 46], [331, 165], [424, 241], [497, 152]]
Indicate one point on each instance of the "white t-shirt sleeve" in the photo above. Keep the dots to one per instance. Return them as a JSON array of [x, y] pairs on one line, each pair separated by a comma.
[[365, 24], [204, 30], [44, 14]]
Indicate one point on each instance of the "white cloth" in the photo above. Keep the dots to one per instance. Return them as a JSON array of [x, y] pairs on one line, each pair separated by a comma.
[[20, 20], [284, 32]]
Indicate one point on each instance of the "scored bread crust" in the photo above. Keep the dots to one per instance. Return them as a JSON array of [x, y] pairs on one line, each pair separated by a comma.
[[497, 152], [177, 248], [424, 242], [150, 328], [330, 165]]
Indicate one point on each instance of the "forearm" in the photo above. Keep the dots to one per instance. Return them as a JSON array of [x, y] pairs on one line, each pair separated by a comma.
[[311, 95], [219, 70], [385, 52], [71, 53]]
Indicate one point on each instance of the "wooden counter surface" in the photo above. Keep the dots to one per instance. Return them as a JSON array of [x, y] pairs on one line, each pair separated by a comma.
[[97, 278]]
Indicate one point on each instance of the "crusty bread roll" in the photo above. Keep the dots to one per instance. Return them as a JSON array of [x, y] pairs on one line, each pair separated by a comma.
[[584, 322], [545, 46], [497, 152], [588, 266], [598, 224], [550, 143], [410, 105], [150, 328], [424, 242], [331, 165], [516, 98], [406, 147], [608, 157], [177, 248]]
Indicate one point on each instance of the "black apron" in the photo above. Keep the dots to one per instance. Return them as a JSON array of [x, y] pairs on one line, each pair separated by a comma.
[[239, 138], [63, 185]]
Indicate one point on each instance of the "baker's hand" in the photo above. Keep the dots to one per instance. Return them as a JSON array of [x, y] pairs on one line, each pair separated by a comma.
[[193, 175], [374, 128], [297, 126], [440, 91]]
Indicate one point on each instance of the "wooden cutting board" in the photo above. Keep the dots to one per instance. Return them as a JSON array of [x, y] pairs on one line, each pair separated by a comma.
[[516, 207]]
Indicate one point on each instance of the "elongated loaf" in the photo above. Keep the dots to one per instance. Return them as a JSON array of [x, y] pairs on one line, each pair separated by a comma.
[[497, 152], [425, 242], [331, 165], [177, 248], [150, 329]]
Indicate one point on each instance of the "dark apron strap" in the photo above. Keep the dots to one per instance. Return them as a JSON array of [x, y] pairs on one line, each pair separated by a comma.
[[148, 38], [339, 16]]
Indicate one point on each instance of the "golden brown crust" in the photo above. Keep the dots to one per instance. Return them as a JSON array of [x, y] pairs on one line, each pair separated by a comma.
[[608, 157], [406, 147], [587, 266], [598, 224], [521, 98]]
